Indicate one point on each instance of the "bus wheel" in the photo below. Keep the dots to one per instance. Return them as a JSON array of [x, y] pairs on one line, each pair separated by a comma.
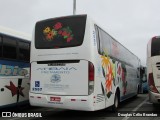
[[116, 103], [138, 91]]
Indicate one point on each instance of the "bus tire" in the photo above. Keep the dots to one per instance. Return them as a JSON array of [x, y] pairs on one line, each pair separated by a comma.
[[155, 105], [137, 92], [116, 103]]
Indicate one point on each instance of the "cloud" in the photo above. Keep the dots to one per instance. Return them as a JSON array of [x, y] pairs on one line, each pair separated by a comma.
[[131, 22], [23, 14]]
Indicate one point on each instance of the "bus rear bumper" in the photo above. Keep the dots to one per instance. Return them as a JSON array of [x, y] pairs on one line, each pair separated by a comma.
[[84, 103], [154, 97]]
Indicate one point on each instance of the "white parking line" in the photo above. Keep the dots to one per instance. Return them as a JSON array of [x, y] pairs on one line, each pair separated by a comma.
[[135, 109]]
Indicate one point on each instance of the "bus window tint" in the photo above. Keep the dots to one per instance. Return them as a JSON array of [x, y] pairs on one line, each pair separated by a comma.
[[155, 47], [104, 42], [24, 51], [9, 48], [60, 32], [0, 46]]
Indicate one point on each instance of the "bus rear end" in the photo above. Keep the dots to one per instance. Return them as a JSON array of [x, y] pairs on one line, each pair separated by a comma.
[[153, 70], [62, 74]]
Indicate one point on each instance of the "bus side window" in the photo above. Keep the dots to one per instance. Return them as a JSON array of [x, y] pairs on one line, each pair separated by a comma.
[[97, 38], [104, 42], [138, 72], [0, 46], [24, 51], [9, 48]]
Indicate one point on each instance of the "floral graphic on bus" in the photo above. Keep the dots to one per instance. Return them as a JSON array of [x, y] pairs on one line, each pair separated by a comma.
[[124, 82], [58, 30], [121, 76], [114, 72], [108, 73]]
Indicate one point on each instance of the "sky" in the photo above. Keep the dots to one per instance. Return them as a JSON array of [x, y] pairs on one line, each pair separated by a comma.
[[131, 22]]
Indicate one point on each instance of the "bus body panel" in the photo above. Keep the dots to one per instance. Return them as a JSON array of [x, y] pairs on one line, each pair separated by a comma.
[[153, 67], [62, 78], [154, 97], [110, 75], [7, 98], [84, 103], [156, 75], [14, 67], [14, 78], [9, 90]]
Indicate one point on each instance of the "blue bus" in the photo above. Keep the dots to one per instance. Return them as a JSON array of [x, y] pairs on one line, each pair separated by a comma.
[[14, 67]]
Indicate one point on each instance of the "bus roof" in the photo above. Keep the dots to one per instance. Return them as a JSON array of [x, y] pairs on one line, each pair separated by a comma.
[[14, 33], [98, 24]]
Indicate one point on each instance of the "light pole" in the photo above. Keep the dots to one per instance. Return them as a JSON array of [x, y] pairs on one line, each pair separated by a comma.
[[74, 7]]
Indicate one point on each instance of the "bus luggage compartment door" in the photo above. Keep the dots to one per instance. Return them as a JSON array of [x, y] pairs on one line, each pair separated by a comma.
[[64, 77]]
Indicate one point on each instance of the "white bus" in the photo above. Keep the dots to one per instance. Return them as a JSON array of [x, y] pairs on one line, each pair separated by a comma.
[[153, 69], [76, 65], [14, 67]]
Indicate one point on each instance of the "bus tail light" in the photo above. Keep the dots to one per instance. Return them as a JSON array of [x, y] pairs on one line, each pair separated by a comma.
[[152, 86], [90, 78]]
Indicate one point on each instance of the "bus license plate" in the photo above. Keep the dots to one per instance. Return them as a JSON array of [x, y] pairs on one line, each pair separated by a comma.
[[56, 99]]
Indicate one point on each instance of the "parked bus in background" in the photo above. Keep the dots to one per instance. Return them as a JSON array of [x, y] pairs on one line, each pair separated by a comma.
[[14, 67], [77, 65], [153, 69], [143, 73]]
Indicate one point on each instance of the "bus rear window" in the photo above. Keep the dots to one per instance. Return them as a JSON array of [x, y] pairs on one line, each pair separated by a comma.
[[60, 32], [155, 47]]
